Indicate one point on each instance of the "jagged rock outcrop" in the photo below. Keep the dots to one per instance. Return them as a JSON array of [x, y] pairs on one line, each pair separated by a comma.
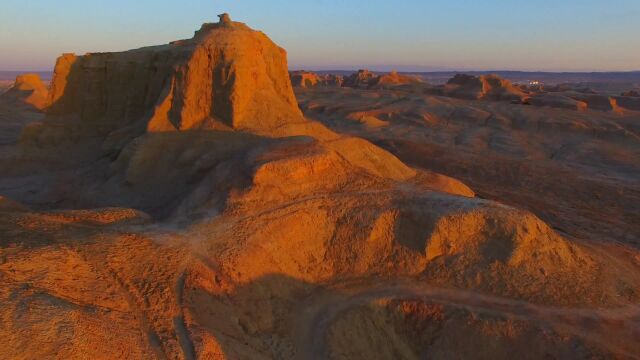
[[485, 87], [305, 79], [29, 90], [631, 93], [363, 78]]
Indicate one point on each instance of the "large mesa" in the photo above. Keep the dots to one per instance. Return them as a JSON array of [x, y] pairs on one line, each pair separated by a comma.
[[227, 75]]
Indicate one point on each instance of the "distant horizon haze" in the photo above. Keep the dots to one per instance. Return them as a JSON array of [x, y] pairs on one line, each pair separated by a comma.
[[406, 35]]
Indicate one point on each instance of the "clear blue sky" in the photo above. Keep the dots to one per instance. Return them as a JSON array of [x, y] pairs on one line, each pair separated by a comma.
[[579, 35]]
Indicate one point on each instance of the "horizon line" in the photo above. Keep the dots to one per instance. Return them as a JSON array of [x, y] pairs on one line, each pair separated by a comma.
[[391, 68]]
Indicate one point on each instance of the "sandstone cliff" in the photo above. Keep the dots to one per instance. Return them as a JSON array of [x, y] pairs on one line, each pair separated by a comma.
[[227, 75]]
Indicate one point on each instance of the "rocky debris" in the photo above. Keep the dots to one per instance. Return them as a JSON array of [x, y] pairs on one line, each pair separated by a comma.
[[485, 87], [28, 89]]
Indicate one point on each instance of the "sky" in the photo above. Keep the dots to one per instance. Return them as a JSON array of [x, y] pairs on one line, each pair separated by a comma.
[[407, 35]]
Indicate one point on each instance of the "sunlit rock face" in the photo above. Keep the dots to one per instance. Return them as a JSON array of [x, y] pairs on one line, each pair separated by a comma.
[[226, 75], [28, 89]]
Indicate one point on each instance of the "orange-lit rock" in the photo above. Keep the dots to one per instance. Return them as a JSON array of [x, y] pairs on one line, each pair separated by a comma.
[[394, 78], [226, 75], [30, 90], [485, 87]]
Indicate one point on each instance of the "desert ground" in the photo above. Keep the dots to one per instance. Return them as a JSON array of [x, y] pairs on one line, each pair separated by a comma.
[[196, 200]]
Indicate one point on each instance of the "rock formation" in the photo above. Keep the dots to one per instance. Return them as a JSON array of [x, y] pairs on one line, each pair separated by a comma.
[[363, 78], [394, 79], [28, 89], [226, 75], [485, 87], [306, 79]]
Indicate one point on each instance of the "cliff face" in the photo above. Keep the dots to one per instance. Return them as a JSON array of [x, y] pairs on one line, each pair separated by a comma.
[[226, 75]]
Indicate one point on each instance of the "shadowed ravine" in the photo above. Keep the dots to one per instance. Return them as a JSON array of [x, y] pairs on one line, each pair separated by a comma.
[[316, 314]]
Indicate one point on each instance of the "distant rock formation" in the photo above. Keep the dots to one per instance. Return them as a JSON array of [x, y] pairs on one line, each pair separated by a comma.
[[361, 79], [364, 78], [307, 79], [304, 79], [394, 79], [30, 90], [485, 87]]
